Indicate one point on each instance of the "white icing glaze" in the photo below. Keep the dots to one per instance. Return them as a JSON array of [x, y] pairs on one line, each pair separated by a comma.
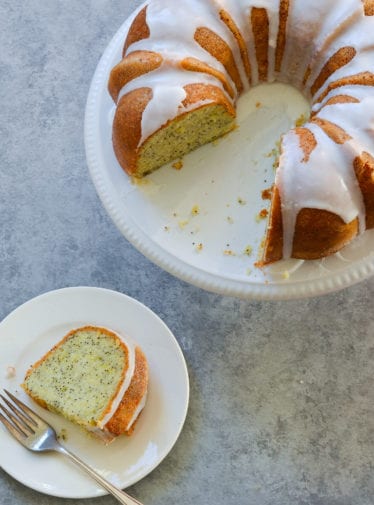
[[167, 84], [325, 182], [137, 411], [342, 27], [301, 27], [273, 16], [172, 31], [239, 10], [354, 91], [125, 383], [314, 32]]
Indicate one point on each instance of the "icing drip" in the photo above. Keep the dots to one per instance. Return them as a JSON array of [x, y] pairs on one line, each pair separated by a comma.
[[272, 12], [172, 31], [339, 29], [167, 84], [326, 181]]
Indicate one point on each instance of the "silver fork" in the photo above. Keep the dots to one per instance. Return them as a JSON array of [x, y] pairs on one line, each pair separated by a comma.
[[37, 435]]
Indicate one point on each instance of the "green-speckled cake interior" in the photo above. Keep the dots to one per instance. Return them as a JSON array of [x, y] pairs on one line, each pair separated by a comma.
[[78, 378]]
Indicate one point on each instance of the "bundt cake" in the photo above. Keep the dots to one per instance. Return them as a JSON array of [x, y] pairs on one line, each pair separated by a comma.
[[184, 65], [94, 378]]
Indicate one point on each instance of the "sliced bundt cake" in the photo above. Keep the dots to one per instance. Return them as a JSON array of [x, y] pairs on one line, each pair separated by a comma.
[[185, 64]]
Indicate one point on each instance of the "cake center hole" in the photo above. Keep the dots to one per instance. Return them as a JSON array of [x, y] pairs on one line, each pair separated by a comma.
[[267, 111]]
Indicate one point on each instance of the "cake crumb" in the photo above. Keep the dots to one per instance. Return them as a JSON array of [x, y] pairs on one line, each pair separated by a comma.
[[301, 120], [275, 153], [63, 435], [258, 105], [230, 219], [166, 228], [140, 181], [248, 250], [182, 224], [286, 274], [266, 194], [241, 201], [228, 252], [262, 215], [199, 247], [10, 372], [272, 153], [195, 210], [177, 165]]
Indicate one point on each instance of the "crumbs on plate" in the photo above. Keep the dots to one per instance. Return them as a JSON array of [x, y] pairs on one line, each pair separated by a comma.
[[10, 372], [177, 165], [195, 210], [63, 435]]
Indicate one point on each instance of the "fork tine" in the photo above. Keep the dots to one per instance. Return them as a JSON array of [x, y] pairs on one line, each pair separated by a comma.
[[19, 435], [29, 423], [13, 426], [26, 410]]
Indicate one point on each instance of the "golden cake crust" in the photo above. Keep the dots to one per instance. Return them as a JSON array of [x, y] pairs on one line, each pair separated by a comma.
[[132, 397]]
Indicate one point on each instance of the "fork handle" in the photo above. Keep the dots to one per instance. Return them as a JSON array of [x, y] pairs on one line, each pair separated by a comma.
[[120, 495]]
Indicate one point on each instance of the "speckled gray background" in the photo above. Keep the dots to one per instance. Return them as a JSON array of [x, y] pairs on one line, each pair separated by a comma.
[[282, 393]]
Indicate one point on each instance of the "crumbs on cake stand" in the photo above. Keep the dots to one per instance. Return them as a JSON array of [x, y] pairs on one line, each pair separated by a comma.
[[266, 193], [186, 221], [301, 120], [263, 214]]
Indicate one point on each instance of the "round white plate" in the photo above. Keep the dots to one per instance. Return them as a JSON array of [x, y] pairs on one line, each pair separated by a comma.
[[199, 223], [32, 329]]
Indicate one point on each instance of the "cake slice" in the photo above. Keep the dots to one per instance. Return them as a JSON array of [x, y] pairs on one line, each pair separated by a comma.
[[144, 139], [94, 378]]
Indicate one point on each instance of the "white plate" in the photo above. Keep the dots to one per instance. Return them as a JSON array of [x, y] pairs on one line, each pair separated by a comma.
[[224, 182], [35, 327]]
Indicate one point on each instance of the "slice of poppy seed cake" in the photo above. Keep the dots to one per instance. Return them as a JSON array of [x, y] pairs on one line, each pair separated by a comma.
[[93, 377]]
